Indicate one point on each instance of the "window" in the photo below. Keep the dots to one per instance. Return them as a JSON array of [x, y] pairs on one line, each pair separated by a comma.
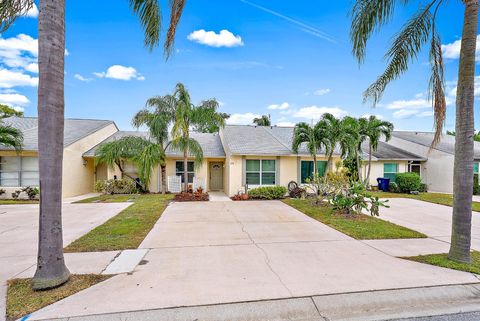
[[306, 170], [260, 172], [190, 170], [415, 167], [16, 171], [390, 170], [475, 168]]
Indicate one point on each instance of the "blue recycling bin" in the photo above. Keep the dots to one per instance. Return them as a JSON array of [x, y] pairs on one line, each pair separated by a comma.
[[383, 183]]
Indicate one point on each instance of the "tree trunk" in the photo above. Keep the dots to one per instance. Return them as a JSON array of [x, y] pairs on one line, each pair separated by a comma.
[[185, 170], [369, 163], [329, 162], [359, 168], [51, 270], [164, 178], [464, 132]]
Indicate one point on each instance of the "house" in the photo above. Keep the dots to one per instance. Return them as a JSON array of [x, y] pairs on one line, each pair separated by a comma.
[[236, 158], [21, 169]]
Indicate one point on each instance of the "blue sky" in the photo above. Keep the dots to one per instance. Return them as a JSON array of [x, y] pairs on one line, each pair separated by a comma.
[[289, 59]]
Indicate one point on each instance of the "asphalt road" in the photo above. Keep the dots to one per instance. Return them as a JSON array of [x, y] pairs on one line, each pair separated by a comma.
[[470, 316]]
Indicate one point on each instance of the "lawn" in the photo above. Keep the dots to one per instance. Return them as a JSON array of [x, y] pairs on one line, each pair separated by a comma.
[[22, 300], [360, 226], [443, 261], [18, 202], [437, 198], [125, 230]]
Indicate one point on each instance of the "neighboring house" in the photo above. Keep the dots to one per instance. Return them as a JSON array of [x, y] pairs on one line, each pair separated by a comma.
[[21, 169], [237, 157]]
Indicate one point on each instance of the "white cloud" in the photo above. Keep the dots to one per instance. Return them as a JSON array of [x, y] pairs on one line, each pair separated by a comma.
[[321, 92], [210, 38], [368, 116], [120, 72], [286, 124], [33, 12], [315, 112], [81, 78], [405, 113], [242, 119], [19, 52], [13, 99], [32, 67], [452, 50], [282, 106], [417, 103], [10, 79]]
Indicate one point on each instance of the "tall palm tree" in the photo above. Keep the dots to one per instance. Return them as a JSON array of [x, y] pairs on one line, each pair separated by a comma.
[[157, 116], [51, 269], [352, 142], [262, 121], [375, 129], [314, 138], [186, 116], [369, 16], [10, 136]]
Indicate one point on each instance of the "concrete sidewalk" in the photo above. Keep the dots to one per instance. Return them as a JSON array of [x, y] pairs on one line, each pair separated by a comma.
[[225, 252]]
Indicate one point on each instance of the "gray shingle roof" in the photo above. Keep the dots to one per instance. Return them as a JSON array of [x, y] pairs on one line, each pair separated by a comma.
[[385, 151], [75, 129], [446, 144], [211, 144]]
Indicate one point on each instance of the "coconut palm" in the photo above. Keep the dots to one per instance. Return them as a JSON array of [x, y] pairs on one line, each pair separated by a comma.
[[313, 137], [157, 116], [375, 129], [369, 16], [7, 111], [11, 137], [186, 116], [51, 270], [264, 120]]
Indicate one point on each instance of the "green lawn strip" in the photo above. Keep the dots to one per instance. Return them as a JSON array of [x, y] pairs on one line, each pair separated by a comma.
[[360, 227], [22, 300], [18, 202], [125, 230], [107, 198], [443, 261], [436, 198]]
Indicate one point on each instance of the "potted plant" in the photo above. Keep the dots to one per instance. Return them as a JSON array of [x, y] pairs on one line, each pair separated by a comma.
[[244, 196]]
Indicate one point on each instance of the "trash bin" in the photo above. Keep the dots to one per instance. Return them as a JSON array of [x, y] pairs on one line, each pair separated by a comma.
[[383, 183]]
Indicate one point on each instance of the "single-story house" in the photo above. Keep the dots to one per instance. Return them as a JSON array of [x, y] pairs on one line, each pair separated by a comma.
[[236, 157]]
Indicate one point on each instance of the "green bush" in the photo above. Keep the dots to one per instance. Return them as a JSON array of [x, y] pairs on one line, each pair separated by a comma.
[[393, 187], [268, 192], [476, 188], [408, 182], [423, 188], [116, 186]]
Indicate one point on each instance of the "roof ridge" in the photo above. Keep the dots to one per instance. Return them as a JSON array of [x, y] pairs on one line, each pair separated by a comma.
[[278, 140]]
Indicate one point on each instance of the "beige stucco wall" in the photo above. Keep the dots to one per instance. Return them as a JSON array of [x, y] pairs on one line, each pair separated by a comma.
[[79, 173], [377, 169]]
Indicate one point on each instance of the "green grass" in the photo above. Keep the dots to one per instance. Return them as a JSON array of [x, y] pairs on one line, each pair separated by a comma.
[[443, 261], [360, 227], [18, 202], [436, 198], [125, 230], [22, 300]]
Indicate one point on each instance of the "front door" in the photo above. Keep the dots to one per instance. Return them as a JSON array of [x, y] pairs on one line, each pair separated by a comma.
[[216, 176]]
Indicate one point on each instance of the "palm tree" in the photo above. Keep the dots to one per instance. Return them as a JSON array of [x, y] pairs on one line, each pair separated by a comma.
[[186, 116], [11, 137], [352, 142], [51, 270], [262, 121], [7, 111], [157, 116], [375, 129], [314, 139], [369, 16]]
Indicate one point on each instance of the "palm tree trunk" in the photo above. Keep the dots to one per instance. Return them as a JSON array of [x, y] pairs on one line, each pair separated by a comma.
[[51, 270], [369, 163], [329, 162], [185, 170], [163, 169], [464, 132], [359, 168]]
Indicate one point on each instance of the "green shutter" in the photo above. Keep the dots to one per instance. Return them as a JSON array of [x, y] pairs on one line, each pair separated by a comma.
[[475, 168], [306, 170], [321, 167]]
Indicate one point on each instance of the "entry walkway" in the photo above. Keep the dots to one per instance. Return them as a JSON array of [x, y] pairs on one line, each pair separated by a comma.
[[204, 253]]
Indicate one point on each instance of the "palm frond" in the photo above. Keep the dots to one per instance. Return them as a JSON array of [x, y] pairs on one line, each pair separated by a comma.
[[11, 137], [151, 156], [404, 49], [148, 12], [368, 16], [175, 15], [10, 10]]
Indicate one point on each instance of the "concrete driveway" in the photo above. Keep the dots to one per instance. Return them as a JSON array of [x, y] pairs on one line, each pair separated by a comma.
[[433, 220], [220, 252], [19, 237]]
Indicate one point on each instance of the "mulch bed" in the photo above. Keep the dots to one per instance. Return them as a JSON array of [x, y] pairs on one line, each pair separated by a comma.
[[192, 197]]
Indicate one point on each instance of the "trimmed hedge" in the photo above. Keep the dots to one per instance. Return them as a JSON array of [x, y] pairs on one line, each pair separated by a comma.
[[268, 192], [408, 182]]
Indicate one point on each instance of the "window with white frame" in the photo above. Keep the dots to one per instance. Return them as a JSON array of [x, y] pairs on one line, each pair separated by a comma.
[[260, 172], [180, 172], [390, 170], [18, 171]]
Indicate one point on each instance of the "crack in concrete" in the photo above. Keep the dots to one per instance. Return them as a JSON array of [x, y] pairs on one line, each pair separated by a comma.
[[318, 310], [267, 259]]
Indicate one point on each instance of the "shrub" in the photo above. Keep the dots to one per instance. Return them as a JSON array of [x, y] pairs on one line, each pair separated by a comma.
[[268, 192], [116, 186], [423, 188], [16, 194], [393, 187], [31, 192], [355, 199], [476, 188], [2, 191], [408, 182]]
